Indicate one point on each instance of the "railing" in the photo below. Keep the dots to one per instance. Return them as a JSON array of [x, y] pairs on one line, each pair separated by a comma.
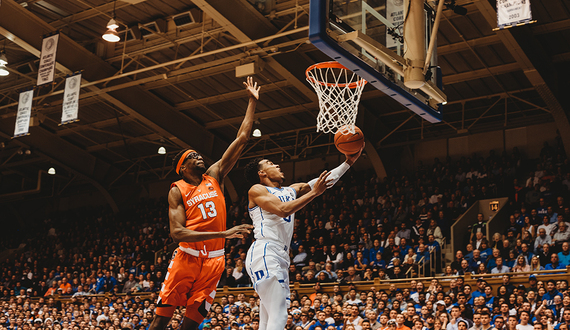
[[494, 280], [459, 228], [421, 265]]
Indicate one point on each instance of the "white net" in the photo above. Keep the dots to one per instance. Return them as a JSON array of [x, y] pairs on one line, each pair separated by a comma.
[[339, 92]]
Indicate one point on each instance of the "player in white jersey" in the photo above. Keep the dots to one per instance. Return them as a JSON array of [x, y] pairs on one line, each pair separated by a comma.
[[272, 209]]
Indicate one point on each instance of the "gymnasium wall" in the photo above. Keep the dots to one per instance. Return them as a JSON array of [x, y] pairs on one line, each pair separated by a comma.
[[529, 141]]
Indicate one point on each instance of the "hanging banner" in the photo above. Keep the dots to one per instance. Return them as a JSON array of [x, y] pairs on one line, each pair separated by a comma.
[[394, 15], [513, 12], [24, 113], [46, 71], [70, 106]]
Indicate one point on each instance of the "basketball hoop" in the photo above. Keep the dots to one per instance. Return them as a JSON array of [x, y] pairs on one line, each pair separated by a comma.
[[339, 92]]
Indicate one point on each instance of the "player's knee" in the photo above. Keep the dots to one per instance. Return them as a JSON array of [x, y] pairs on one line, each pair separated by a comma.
[[279, 319], [197, 312], [165, 311], [160, 322]]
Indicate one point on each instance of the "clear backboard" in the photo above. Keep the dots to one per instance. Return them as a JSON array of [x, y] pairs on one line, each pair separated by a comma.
[[367, 37]]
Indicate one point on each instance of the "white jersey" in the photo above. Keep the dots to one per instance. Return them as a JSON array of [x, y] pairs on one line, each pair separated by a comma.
[[270, 227]]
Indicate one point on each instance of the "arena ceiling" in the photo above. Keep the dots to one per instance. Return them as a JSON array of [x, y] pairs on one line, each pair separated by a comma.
[[172, 83]]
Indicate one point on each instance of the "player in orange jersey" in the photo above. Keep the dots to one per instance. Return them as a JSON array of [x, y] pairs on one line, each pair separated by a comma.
[[197, 212]]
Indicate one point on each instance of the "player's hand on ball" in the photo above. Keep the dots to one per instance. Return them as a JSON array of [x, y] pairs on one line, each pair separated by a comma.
[[351, 159], [323, 182], [252, 88], [237, 231]]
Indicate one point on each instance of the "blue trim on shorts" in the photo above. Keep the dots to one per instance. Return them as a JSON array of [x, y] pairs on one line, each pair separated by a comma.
[[264, 253]]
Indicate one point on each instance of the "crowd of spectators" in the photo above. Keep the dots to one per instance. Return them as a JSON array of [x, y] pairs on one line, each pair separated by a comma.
[[536, 236], [74, 254], [363, 228], [413, 305]]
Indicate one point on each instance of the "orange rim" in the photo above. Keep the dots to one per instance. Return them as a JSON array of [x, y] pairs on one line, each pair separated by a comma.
[[331, 65]]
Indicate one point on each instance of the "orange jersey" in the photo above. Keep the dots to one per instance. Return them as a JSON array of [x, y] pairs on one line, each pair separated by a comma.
[[205, 207]]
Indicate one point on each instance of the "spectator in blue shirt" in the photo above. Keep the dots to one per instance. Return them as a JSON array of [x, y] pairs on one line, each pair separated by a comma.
[[375, 249], [491, 260], [475, 261], [320, 322], [422, 252], [564, 255], [485, 250], [548, 297], [554, 263]]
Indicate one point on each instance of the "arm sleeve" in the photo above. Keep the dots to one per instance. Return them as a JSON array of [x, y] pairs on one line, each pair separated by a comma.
[[335, 175]]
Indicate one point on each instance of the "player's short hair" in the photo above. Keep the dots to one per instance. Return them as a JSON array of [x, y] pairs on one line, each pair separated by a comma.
[[252, 169]]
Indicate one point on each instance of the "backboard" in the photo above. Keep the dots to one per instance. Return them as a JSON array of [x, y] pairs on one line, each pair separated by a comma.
[[367, 37]]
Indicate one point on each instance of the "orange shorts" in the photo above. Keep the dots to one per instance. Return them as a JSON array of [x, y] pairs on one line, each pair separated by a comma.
[[191, 282]]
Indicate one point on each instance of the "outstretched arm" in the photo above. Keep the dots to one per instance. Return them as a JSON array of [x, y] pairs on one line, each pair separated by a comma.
[[259, 196], [221, 168], [336, 174], [178, 230]]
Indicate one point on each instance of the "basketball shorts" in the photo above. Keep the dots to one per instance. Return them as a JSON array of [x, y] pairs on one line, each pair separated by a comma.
[[191, 281], [265, 260]]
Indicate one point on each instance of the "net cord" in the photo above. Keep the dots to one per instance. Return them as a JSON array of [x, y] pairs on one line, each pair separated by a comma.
[[339, 92]]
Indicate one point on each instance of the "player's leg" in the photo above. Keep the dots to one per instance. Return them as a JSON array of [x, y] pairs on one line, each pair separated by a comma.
[[263, 316], [177, 283], [273, 294], [203, 292], [164, 313], [159, 322], [189, 324]]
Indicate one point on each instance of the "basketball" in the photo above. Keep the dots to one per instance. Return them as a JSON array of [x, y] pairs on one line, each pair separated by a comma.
[[349, 144]]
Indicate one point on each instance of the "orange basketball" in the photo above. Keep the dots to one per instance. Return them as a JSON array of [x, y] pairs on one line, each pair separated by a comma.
[[349, 144]]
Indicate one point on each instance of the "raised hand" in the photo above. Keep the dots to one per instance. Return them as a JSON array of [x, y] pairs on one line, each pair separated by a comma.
[[322, 183], [351, 159], [252, 88], [237, 231]]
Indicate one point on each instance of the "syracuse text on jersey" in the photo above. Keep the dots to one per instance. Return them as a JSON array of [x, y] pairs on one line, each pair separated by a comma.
[[201, 197]]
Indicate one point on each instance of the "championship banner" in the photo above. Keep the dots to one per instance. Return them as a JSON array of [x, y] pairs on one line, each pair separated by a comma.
[[395, 15], [512, 13], [46, 71], [70, 106], [24, 113]]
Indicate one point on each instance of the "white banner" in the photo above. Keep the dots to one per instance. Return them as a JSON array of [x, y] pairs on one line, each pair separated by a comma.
[[46, 71], [24, 112], [513, 12], [70, 106], [394, 15]]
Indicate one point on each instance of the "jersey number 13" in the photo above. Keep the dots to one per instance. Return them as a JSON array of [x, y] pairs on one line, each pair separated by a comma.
[[208, 210]]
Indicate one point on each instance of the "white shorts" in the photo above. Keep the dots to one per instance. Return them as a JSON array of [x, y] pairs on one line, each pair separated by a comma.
[[266, 259], [267, 263]]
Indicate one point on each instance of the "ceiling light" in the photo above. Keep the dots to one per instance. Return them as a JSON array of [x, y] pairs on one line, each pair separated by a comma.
[[162, 151], [3, 59], [3, 70], [51, 171], [111, 35], [256, 132]]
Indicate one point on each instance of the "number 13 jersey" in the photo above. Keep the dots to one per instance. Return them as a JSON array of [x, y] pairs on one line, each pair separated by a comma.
[[271, 227], [205, 211]]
